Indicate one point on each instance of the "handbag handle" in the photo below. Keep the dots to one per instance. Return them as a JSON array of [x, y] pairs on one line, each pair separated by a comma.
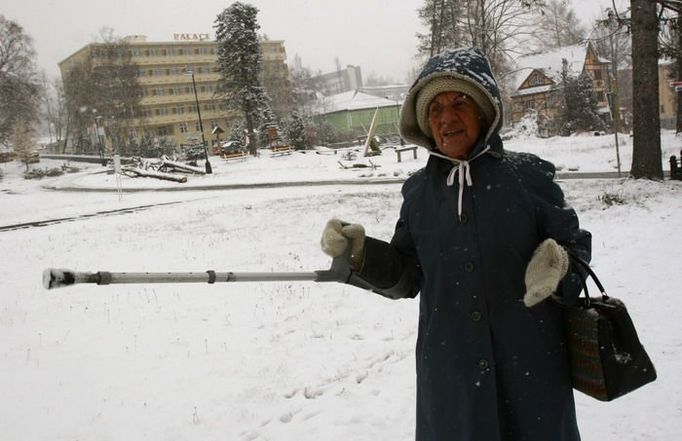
[[583, 279]]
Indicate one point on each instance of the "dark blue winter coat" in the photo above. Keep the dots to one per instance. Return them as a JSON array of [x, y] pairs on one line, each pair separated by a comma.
[[488, 367]]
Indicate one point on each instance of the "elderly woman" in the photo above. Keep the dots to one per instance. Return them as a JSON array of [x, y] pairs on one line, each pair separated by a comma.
[[483, 236]]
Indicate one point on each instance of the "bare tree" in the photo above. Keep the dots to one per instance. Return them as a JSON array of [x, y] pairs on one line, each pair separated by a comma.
[[103, 91], [19, 81], [503, 29], [559, 26], [22, 140], [54, 107]]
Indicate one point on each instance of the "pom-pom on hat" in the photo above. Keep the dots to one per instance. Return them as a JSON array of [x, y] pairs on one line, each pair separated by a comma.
[[451, 84]]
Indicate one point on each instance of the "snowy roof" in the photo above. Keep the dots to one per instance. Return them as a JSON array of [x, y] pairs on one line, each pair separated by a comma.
[[533, 90], [549, 63], [352, 100]]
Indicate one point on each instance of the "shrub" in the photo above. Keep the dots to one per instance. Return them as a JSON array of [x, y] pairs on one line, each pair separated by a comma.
[[610, 199]]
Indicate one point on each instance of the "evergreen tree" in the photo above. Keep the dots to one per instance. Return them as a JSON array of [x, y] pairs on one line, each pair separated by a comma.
[[268, 122], [239, 62], [237, 131], [22, 141], [295, 132], [578, 108]]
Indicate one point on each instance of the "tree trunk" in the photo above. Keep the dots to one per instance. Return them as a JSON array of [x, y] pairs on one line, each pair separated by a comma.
[[678, 56], [184, 167], [134, 172], [646, 148]]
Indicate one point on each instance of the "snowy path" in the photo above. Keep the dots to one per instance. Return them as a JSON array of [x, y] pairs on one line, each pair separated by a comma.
[[278, 361]]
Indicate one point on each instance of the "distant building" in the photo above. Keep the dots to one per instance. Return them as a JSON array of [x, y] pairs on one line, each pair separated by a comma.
[[395, 92], [351, 113], [167, 101], [343, 80], [536, 83], [666, 94]]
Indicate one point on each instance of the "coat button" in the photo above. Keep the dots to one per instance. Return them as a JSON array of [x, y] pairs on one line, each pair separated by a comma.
[[483, 363], [469, 267], [476, 316], [463, 219]]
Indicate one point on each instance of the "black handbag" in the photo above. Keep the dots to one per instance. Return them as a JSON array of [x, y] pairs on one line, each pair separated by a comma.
[[606, 357]]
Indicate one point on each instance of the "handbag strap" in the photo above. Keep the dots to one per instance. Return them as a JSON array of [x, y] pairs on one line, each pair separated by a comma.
[[581, 264]]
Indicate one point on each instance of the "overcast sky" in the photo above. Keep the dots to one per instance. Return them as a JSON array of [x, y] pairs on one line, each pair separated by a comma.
[[378, 35]]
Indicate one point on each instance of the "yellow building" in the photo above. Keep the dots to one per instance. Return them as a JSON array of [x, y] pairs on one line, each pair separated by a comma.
[[168, 101]]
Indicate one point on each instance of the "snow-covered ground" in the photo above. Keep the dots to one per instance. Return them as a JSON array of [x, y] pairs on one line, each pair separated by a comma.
[[280, 361]]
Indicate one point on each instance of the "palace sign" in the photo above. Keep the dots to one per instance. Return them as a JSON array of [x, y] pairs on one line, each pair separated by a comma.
[[190, 37]]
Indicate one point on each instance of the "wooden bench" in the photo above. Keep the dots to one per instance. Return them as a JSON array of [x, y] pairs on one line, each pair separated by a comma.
[[400, 150], [281, 150], [235, 155]]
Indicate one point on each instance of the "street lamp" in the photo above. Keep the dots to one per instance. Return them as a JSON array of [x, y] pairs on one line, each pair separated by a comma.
[[99, 131], [190, 72]]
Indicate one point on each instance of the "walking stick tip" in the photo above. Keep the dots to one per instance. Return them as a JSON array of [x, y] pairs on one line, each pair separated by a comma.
[[57, 278]]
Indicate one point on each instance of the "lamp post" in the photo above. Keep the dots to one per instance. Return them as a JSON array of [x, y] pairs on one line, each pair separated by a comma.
[[190, 72], [100, 144]]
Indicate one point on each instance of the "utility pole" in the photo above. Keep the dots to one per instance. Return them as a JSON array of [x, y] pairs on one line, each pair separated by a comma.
[[209, 169]]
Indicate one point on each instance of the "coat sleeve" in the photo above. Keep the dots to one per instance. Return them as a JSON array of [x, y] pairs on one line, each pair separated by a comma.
[[392, 269], [557, 220]]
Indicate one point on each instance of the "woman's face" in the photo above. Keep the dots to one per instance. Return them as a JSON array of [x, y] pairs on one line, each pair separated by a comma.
[[455, 122]]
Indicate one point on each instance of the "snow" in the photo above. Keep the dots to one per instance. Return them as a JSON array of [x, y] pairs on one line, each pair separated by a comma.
[[353, 100], [550, 63], [280, 360]]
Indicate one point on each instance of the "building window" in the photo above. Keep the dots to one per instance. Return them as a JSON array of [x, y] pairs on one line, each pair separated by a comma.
[[197, 127], [183, 127], [662, 109]]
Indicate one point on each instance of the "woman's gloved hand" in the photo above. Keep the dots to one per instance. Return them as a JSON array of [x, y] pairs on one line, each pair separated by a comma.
[[545, 270], [338, 236]]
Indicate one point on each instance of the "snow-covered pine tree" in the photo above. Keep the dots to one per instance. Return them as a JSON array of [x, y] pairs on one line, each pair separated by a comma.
[[239, 63], [237, 131], [268, 121], [295, 132], [587, 111], [578, 108]]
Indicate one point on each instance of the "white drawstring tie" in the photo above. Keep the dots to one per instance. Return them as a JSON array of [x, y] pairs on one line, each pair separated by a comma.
[[460, 167]]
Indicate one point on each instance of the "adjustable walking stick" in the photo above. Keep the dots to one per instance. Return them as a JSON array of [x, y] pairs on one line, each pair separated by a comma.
[[338, 272]]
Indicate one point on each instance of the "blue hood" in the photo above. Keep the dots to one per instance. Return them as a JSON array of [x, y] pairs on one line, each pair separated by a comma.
[[468, 64]]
